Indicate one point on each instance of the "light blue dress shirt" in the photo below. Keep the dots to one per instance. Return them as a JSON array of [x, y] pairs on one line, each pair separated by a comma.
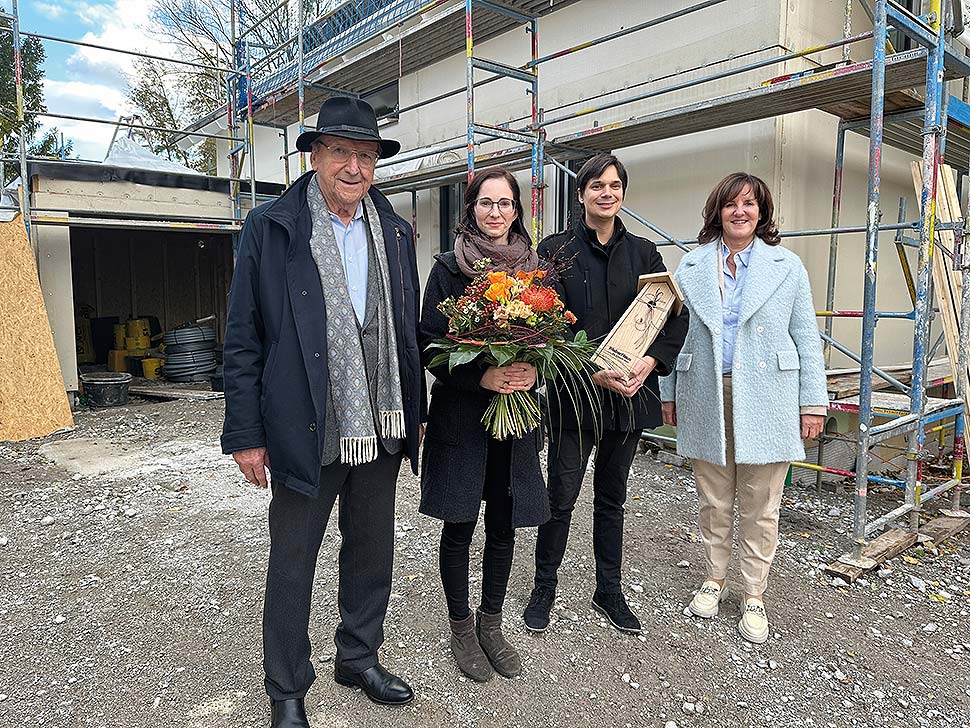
[[731, 303], [352, 243]]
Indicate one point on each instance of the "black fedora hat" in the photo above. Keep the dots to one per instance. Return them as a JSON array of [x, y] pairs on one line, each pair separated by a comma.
[[349, 118]]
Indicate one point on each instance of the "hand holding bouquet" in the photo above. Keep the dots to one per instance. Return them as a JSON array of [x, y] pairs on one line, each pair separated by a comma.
[[504, 319]]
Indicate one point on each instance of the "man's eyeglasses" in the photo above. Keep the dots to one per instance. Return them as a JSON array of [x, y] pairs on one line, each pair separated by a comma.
[[343, 154], [485, 205]]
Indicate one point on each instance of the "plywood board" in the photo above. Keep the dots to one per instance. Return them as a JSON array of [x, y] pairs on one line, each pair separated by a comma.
[[146, 266], [33, 401], [113, 261], [947, 283], [181, 299]]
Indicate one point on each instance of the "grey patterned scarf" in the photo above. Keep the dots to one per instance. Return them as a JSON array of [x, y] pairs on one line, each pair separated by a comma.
[[348, 373]]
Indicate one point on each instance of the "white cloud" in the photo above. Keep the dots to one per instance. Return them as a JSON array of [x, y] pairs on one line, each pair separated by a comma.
[[120, 24], [77, 98], [84, 99], [49, 10], [94, 82]]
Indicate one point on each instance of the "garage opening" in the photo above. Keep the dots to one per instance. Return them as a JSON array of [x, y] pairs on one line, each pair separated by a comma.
[[168, 278]]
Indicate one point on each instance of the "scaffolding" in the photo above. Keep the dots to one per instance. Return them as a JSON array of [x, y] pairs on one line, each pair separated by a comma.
[[885, 78], [359, 45]]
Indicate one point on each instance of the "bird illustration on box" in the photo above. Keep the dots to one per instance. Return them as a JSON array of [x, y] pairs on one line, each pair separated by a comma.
[[639, 327], [646, 321]]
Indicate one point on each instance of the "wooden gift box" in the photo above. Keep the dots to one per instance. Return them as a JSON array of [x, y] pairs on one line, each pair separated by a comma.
[[657, 296]]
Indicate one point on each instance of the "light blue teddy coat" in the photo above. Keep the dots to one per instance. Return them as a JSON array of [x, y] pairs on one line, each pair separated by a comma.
[[778, 364]]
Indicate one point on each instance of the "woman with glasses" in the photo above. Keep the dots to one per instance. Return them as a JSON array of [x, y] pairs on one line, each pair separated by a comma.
[[462, 465]]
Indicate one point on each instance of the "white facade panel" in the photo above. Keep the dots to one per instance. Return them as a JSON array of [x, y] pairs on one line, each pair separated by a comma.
[[670, 179]]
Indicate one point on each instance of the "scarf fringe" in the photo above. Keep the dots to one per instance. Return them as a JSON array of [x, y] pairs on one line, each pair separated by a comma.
[[358, 450], [392, 424]]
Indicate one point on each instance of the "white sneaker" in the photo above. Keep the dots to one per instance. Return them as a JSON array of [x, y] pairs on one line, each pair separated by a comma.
[[706, 600], [754, 621]]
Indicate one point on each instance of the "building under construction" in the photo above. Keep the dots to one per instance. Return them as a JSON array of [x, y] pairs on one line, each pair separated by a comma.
[[830, 102]]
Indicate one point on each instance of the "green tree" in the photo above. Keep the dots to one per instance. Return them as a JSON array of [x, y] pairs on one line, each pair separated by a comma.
[[32, 58], [173, 95], [150, 91]]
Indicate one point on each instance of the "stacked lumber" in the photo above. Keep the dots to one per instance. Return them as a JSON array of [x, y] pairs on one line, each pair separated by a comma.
[[33, 401], [947, 282]]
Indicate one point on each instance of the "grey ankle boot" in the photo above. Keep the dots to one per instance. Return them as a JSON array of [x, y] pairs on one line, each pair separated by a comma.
[[501, 654], [468, 653]]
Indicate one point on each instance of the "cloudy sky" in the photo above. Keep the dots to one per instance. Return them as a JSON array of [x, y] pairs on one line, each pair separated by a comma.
[[85, 81]]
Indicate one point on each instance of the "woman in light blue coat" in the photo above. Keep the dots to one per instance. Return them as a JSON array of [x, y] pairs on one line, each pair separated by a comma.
[[749, 385]]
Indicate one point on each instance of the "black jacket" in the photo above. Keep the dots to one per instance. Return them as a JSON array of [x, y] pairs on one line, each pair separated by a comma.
[[598, 286], [456, 442], [276, 374]]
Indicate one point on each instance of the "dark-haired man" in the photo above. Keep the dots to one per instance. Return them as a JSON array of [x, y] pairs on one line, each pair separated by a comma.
[[605, 262]]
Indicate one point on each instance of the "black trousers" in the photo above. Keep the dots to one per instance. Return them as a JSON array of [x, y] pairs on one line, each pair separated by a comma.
[[569, 452], [456, 539], [297, 524]]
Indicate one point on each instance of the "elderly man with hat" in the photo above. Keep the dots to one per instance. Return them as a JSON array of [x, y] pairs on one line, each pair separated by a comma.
[[324, 389]]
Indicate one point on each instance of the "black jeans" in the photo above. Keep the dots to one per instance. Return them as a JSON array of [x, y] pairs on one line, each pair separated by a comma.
[[297, 524], [569, 452], [499, 541]]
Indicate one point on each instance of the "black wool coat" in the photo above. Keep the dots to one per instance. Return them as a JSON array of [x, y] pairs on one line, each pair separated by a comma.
[[275, 353], [598, 284], [456, 442]]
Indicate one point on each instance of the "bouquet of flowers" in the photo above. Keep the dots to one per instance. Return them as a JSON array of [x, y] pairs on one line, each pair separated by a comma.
[[504, 319]]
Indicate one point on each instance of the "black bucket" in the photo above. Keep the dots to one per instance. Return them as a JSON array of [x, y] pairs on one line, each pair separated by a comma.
[[106, 389]]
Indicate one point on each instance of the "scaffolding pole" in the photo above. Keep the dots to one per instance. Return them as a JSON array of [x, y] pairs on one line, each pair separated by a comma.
[[961, 383], [250, 128], [232, 101], [878, 99], [138, 54], [23, 192], [300, 79], [533, 135], [469, 91], [932, 136], [538, 165], [834, 239]]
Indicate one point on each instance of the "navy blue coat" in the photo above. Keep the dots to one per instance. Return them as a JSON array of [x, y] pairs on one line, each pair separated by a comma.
[[276, 374]]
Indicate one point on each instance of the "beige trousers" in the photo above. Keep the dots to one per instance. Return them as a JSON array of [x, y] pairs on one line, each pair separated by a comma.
[[757, 490]]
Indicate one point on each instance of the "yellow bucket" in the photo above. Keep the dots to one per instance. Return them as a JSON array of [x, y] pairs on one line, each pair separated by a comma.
[[137, 343], [150, 367], [138, 327], [119, 330], [118, 360]]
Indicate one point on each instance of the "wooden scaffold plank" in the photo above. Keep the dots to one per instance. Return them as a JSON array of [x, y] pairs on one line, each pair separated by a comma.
[[884, 547]]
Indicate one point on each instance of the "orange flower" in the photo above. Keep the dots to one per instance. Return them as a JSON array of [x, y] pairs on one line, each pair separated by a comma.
[[528, 276], [499, 286], [539, 298], [570, 317]]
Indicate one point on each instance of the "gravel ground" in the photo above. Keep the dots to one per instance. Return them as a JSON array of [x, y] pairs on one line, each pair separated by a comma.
[[132, 559]]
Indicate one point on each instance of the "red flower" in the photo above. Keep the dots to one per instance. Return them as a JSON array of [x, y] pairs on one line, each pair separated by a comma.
[[540, 298]]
